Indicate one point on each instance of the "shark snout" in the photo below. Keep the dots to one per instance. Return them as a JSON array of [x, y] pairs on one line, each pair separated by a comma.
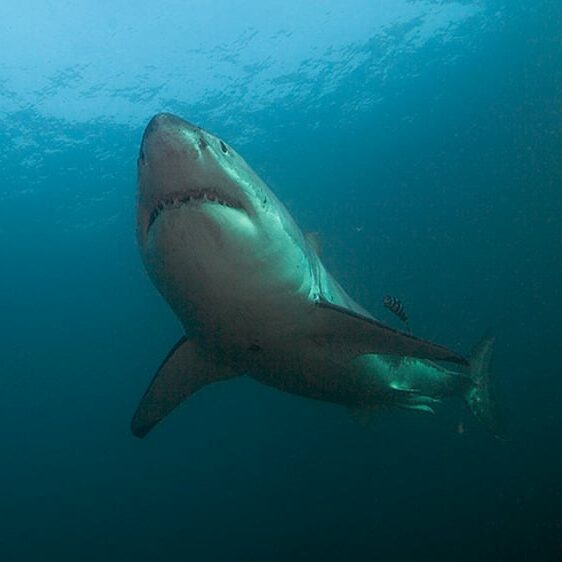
[[167, 122], [167, 137]]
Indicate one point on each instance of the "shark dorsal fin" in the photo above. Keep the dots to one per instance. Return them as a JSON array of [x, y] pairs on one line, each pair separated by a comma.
[[314, 241]]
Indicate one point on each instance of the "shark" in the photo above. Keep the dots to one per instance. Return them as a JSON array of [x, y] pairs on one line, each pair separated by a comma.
[[254, 298]]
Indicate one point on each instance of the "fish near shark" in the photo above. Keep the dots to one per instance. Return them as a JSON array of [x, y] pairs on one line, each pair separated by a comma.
[[255, 299]]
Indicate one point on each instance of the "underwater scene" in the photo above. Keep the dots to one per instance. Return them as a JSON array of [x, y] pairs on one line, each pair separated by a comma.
[[281, 281]]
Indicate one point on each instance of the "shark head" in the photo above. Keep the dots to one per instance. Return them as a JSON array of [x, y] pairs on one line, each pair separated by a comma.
[[207, 224], [187, 173]]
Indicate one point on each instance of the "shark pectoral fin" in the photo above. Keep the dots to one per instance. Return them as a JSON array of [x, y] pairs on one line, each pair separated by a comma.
[[355, 334], [184, 371]]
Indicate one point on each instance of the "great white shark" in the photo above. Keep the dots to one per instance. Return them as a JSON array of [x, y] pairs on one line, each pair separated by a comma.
[[255, 299]]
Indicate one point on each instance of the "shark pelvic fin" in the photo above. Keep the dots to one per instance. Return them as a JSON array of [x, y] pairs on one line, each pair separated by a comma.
[[184, 371], [356, 334], [418, 407]]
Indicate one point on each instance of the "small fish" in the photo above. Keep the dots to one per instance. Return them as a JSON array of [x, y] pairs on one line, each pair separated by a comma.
[[396, 307]]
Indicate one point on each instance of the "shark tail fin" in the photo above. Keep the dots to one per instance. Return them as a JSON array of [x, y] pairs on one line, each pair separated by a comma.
[[479, 394]]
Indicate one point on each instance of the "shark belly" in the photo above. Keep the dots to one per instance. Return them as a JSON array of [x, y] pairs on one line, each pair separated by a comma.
[[232, 298]]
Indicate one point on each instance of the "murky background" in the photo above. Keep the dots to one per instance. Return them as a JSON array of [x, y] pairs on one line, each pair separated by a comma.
[[422, 139]]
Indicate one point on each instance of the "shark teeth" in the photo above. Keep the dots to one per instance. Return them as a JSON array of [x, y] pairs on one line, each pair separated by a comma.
[[176, 201]]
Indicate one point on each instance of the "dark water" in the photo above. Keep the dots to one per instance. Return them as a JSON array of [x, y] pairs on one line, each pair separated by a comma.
[[423, 140]]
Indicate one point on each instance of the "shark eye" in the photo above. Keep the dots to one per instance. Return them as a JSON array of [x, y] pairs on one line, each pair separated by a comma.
[[224, 147]]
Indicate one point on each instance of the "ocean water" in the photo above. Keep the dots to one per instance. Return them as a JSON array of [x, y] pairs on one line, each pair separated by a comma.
[[421, 139]]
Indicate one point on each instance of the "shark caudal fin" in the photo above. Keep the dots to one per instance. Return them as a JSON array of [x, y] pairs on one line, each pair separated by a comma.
[[479, 395]]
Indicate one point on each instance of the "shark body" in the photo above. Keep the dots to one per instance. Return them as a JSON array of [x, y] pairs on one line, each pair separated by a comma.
[[255, 298]]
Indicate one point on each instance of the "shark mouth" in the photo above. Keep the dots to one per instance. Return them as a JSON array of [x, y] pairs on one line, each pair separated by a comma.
[[179, 200]]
